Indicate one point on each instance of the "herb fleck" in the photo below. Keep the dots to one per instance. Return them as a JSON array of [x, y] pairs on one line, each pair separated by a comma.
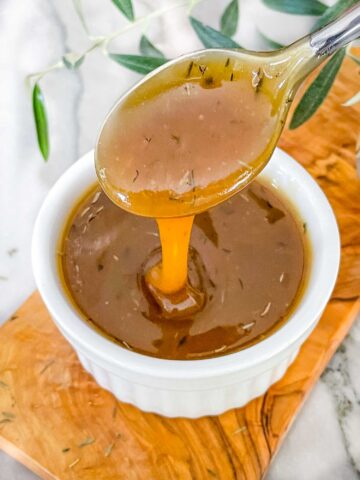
[[100, 267], [211, 472], [257, 79], [148, 139], [191, 64], [209, 80], [191, 179], [266, 310], [13, 317], [240, 430], [96, 197], [241, 283], [227, 63], [202, 69], [226, 250], [108, 449], [182, 340], [305, 227], [3, 384], [136, 175], [65, 450], [46, 366], [9, 415], [247, 326], [86, 441], [75, 462], [5, 420], [114, 411], [176, 138], [231, 77]]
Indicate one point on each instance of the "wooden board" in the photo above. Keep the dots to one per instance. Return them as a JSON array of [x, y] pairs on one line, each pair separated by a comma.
[[57, 421]]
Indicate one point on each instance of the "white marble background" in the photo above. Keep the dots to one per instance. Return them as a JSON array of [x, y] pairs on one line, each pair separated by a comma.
[[324, 442]]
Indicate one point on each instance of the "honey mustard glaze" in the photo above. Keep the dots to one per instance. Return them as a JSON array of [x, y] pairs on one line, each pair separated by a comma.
[[187, 139], [175, 148], [246, 267]]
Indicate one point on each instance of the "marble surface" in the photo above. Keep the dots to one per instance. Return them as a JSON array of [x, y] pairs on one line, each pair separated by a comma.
[[324, 442]]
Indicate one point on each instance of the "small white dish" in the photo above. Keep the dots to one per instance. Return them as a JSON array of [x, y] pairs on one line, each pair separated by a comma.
[[191, 388]]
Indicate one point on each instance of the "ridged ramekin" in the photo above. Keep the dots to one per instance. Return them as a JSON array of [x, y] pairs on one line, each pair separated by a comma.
[[196, 387]]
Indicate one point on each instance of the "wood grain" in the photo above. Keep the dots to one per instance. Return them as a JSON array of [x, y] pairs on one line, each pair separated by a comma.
[[56, 420]]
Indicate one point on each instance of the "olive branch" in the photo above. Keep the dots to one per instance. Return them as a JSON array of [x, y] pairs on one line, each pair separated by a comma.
[[151, 57]]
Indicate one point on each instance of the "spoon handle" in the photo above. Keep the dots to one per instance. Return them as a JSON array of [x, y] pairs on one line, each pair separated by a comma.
[[337, 34]]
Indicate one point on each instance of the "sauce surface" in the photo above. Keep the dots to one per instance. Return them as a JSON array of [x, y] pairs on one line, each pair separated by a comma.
[[246, 260]]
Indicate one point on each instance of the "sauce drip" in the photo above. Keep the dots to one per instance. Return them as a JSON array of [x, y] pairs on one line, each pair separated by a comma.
[[187, 139], [171, 275]]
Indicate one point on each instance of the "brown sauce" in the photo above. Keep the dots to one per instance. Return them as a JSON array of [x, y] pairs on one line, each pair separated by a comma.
[[246, 261]]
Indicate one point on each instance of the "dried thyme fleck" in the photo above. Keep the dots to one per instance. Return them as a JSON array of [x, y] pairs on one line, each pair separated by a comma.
[[65, 450], [109, 449], [176, 138], [136, 175], [231, 77], [75, 462], [240, 430], [211, 472], [227, 63], [257, 79], [148, 139], [9, 415], [182, 340], [202, 69], [191, 64], [305, 227], [86, 442], [3, 384], [46, 366], [241, 283], [5, 420]]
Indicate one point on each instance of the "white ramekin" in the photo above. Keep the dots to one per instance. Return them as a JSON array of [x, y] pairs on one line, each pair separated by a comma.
[[197, 387]]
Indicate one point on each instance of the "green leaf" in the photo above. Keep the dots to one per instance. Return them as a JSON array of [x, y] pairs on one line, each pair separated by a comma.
[[334, 11], [210, 37], [138, 63], [72, 61], [126, 7], [229, 19], [148, 49], [297, 7], [271, 43], [41, 123], [318, 90], [352, 100]]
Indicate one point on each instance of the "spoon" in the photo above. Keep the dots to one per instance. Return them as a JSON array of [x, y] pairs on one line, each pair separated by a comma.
[[196, 131], [201, 127]]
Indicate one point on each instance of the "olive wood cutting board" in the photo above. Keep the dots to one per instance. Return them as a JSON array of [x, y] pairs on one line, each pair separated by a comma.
[[56, 420]]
